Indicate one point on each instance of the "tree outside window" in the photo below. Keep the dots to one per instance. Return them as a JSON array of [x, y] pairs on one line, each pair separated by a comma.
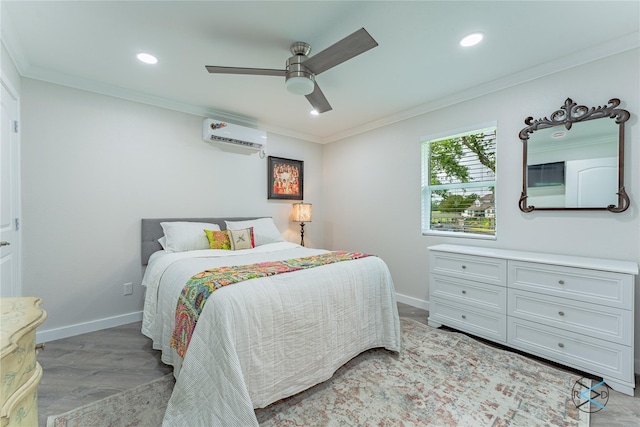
[[458, 184]]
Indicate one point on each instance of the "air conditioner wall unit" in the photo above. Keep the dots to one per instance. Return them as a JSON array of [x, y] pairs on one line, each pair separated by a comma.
[[219, 132]]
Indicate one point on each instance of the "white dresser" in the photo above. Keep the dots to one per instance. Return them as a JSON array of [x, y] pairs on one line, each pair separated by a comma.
[[576, 311]]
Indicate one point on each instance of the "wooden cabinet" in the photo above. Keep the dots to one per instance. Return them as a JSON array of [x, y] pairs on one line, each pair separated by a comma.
[[20, 372], [572, 310]]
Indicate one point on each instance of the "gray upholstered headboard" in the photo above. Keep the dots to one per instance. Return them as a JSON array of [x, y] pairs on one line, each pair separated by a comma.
[[152, 231]]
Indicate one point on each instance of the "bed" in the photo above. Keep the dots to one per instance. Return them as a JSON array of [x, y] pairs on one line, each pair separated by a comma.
[[263, 339]]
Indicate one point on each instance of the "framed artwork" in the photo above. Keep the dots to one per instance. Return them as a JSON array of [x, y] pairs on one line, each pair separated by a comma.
[[285, 178]]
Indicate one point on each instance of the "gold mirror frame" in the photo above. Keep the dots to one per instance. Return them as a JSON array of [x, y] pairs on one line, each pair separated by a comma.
[[567, 115]]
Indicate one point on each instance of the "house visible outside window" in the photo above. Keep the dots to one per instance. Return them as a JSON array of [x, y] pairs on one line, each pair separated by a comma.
[[459, 183]]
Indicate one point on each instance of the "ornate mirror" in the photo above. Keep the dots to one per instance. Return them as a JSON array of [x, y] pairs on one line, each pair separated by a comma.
[[575, 159]]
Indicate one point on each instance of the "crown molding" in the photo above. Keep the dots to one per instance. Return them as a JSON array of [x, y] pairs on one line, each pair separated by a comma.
[[594, 53], [156, 101], [13, 46], [76, 82]]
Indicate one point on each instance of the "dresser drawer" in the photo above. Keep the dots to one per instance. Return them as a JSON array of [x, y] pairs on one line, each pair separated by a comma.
[[18, 364], [19, 371], [599, 357], [478, 322], [473, 294], [599, 287], [598, 321], [21, 409], [470, 267]]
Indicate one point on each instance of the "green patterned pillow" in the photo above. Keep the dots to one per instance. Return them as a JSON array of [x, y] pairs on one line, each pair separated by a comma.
[[241, 239], [218, 239]]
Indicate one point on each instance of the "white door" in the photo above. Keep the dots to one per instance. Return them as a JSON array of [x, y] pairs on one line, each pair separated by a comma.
[[592, 183], [9, 196]]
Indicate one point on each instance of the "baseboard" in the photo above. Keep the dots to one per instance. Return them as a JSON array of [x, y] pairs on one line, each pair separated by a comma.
[[413, 302], [83, 328], [110, 322]]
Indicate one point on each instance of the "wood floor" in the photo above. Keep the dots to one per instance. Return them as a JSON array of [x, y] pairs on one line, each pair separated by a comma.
[[89, 367]]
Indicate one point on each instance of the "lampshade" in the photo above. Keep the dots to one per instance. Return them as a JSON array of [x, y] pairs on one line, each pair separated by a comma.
[[300, 85], [302, 212]]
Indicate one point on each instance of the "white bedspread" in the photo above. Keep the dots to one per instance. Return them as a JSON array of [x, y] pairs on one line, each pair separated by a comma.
[[261, 340]]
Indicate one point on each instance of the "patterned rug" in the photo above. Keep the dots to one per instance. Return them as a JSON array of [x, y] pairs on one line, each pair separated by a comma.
[[440, 379], [142, 406]]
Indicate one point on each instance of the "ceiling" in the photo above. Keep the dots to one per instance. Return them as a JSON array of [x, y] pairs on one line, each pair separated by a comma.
[[417, 67]]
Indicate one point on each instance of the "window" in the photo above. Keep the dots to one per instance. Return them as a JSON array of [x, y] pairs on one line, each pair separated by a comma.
[[458, 184]]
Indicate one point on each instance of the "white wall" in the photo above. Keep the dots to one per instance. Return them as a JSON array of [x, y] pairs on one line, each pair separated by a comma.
[[93, 166], [372, 202]]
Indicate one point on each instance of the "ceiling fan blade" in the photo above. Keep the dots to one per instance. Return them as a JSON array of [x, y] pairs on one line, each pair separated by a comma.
[[350, 46], [240, 70], [318, 100]]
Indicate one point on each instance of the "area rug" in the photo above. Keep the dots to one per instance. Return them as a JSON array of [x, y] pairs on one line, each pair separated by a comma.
[[142, 406], [441, 378]]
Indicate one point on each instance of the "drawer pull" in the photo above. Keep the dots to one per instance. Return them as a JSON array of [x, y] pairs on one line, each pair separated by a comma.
[[561, 282], [560, 345], [464, 292], [561, 313], [464, 266], [464, 317]]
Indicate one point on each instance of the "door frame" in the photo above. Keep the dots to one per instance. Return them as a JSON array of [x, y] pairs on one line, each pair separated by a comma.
[[17, 187]]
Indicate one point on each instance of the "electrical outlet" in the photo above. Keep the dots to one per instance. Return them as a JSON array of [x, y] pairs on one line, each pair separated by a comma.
[[128, 288]]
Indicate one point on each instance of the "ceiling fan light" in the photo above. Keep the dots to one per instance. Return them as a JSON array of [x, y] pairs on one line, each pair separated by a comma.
[[300, 85]]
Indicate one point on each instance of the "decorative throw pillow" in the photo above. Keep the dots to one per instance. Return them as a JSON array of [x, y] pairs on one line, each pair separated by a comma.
[[218, 239], [264, 230], [241, 239]]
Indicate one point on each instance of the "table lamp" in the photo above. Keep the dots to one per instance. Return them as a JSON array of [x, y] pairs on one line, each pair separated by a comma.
[[302, 214]]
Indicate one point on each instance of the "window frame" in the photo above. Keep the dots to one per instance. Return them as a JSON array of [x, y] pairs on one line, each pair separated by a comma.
[[427, 188]]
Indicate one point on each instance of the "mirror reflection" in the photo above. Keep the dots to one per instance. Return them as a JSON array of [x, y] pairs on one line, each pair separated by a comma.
[[575, 168], [575, 159]]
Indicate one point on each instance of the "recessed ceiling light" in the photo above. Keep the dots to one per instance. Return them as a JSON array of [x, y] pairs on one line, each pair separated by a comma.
[[314, 113], [147, 58], [472, 39]]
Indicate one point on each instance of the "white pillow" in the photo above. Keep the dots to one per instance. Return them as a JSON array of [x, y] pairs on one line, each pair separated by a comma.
[[264, 230], [186, 236]]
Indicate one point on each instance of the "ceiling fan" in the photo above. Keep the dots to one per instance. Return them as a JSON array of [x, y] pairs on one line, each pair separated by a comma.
[[301, 71]]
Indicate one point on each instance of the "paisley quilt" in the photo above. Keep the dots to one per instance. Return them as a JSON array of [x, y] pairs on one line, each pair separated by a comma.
[[198, 289]]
